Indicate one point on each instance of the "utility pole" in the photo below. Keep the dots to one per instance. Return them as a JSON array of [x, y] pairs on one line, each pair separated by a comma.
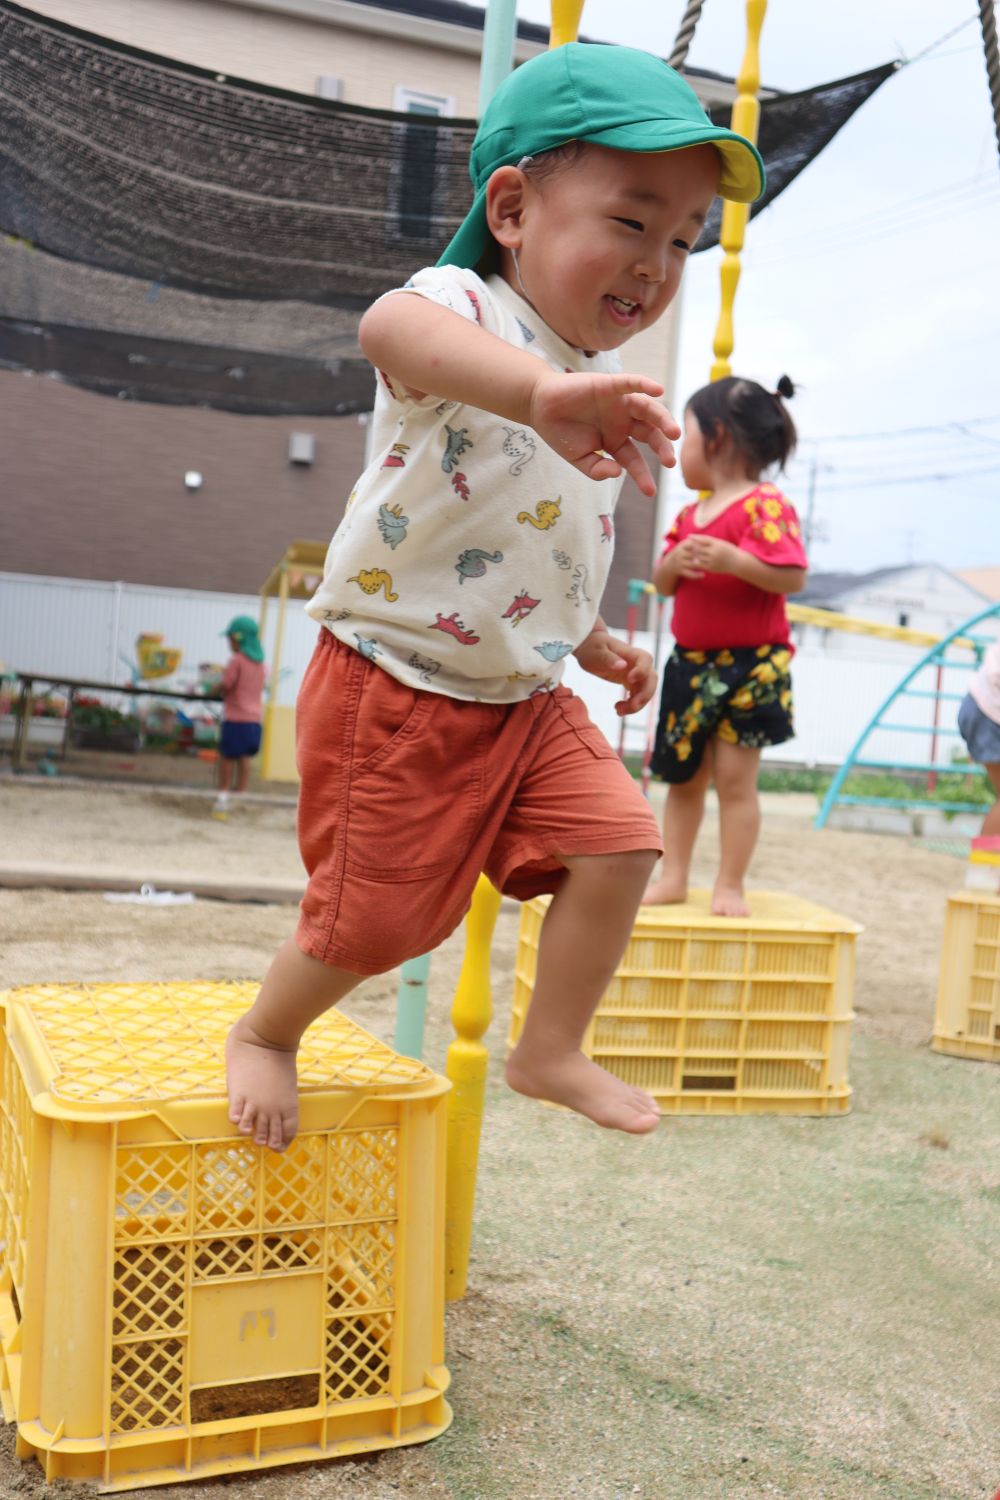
[[811, 501]]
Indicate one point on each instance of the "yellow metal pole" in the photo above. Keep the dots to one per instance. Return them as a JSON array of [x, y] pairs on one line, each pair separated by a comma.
[[471, 1013], [565, 22], [745, 120]]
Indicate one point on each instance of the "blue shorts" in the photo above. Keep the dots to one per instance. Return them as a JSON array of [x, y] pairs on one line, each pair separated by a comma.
[[980, 733], [239, 740]]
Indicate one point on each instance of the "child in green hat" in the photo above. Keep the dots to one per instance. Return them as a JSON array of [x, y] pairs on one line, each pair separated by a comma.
[[435, 738], [242, 689]]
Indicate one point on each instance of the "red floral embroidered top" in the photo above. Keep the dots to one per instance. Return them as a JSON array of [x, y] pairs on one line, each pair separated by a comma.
[[719, 610]]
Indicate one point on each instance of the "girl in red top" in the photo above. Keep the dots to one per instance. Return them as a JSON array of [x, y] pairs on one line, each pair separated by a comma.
[[730, 559]]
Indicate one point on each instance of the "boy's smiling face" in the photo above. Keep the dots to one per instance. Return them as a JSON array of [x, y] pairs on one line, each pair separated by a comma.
[[602, 242]]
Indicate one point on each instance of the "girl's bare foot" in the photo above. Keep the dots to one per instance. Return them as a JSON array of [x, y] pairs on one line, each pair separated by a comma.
[[571, 1079], [262, 1085], [668, 890], [729, 901]]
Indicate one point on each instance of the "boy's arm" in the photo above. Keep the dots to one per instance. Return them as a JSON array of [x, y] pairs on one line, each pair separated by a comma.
[[604, 655], [591, 421], [713, 555]]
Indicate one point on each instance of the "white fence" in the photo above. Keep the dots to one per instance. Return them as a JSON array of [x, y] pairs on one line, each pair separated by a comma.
[[87, 630]]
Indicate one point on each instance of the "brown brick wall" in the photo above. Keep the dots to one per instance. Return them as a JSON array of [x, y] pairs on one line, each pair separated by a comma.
[[94, 488]]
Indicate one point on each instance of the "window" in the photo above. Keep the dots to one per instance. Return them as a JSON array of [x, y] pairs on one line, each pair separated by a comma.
[[414, 188], [328, 87], [902, 618], [407, 101]]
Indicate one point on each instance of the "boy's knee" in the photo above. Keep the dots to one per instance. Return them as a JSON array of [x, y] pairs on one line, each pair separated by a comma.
[[619, 868]]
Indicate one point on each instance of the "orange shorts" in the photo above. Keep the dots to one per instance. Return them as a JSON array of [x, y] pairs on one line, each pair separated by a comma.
[[406, 796]]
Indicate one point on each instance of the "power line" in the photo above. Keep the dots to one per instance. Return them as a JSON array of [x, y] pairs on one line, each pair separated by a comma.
[[879, 459], [900, 432], [910, 223], [909, 61], [880, 484], [885, 211]]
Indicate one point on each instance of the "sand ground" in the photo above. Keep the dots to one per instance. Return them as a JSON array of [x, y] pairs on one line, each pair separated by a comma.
[[733, 1309]]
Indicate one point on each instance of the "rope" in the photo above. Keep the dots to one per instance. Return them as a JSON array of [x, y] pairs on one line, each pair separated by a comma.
[[988, 22], [685, 33]]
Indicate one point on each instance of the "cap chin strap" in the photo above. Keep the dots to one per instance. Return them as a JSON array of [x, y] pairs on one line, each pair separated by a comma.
[[520, 282]]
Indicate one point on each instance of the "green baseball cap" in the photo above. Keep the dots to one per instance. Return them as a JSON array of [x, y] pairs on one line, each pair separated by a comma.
[[611, 96], [243, 630]]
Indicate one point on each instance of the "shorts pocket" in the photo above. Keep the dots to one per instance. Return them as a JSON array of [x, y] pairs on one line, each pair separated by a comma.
[[574, 711], [389, 714], [415, 804]]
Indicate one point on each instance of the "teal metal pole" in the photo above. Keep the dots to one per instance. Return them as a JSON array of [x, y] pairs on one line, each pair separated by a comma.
[[499, 32], [936, 653], [411, 1006]]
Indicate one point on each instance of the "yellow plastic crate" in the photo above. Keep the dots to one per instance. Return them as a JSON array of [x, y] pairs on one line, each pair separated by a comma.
[[722, 1015], [967, 1015], [176, 1301]]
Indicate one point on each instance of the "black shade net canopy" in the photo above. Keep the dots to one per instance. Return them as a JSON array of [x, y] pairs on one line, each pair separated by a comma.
[[174, 235]]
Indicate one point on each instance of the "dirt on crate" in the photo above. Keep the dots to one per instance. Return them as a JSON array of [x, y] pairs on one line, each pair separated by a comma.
[[767, 1308]]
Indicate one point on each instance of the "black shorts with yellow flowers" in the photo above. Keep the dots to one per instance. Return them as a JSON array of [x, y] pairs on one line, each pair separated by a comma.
[[742, 695]]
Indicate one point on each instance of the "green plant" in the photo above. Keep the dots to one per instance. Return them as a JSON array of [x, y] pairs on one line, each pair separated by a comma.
[[90, 713]]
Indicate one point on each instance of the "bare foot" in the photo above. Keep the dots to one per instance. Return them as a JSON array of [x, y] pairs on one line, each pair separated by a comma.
[[729, 901], [573, 1080], [666, 891], [262, 1084]]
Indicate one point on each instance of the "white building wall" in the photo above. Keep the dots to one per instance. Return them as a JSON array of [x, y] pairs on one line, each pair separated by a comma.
[[88, 631], [285, 49], [931, 599]]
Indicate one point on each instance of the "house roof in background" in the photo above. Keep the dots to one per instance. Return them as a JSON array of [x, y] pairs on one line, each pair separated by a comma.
[[826, 588], [985, 581], [821, 588]]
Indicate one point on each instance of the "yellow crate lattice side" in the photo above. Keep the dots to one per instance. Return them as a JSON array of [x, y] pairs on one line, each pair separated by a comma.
[[967, 1013], [15, 1167], [147, 1385], [327, 1204], [699, 1006]]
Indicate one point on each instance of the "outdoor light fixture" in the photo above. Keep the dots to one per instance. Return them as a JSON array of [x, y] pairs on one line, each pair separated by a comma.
[[192, 480]]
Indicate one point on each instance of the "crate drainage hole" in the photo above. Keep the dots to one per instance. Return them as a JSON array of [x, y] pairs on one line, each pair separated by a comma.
[[254, 1398]]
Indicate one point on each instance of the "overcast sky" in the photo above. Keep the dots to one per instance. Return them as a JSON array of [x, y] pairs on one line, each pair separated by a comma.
[[873, 280]]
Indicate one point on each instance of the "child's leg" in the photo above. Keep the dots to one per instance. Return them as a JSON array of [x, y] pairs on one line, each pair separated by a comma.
[[682, 815], [241, 779], [735, 772], [587, 926], [261, 1047], [991, 822]]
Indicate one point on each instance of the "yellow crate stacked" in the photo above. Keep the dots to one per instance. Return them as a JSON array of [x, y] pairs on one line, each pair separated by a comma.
[[967, 1015], [723, 1015], [177, 1302]]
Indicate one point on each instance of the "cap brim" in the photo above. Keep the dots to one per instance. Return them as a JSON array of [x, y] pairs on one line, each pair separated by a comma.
[[742, 179]]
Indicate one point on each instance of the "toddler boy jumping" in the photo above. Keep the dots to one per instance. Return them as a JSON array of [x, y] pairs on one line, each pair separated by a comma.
[[435, 739]]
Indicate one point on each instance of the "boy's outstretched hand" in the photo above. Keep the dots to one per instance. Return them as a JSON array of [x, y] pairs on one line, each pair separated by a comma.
[[603, 655], [595, 422]]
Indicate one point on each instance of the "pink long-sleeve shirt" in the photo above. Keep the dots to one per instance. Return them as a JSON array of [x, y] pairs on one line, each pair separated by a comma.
[[242, 688]]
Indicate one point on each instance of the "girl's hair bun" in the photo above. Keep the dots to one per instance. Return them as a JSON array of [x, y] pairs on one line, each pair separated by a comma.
[[785, 388]]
